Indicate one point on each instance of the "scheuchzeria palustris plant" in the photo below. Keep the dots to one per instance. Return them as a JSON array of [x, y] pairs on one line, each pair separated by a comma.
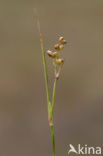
[[57, 64]]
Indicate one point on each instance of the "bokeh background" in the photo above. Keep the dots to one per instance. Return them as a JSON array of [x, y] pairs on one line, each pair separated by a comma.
[[78, 116]]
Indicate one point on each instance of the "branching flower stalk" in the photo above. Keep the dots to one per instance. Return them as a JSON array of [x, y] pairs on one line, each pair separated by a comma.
[[57, 64]]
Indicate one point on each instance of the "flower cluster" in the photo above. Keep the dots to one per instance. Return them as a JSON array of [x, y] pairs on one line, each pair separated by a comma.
[[57, 61]]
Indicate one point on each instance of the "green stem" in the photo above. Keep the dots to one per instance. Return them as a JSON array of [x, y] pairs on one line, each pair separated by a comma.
[[53, 97], [50, 109], [50, 114], [54, 90], [53, 139], [51, 125], [45, 70]]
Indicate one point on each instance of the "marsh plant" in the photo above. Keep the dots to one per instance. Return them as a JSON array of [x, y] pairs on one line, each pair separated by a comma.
[[57, 66]]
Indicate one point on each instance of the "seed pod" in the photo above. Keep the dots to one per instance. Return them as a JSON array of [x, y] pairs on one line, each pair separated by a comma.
[[61, 40], [64, 42], [61, 46], [59, 61], [56, 46], [55, 54], [49, 53], [52, 54]]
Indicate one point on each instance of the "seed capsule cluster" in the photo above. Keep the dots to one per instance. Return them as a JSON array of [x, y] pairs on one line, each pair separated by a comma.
[[52, 54], [55, 54]]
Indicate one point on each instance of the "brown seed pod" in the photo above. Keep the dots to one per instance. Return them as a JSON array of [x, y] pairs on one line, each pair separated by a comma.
[[56, 46], [49, 53], [52, 54], [62, 41], [55, 54], [59, 61], [61, 46]]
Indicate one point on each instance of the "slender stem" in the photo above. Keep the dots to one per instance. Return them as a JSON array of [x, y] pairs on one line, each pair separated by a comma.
[[51, 126], [53, 139], [54, 90], [45, 70], [50, 110], [50, 114], [48, 97]]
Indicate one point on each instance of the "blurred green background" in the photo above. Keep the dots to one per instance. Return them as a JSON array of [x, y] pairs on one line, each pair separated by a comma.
[[78, 113]]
